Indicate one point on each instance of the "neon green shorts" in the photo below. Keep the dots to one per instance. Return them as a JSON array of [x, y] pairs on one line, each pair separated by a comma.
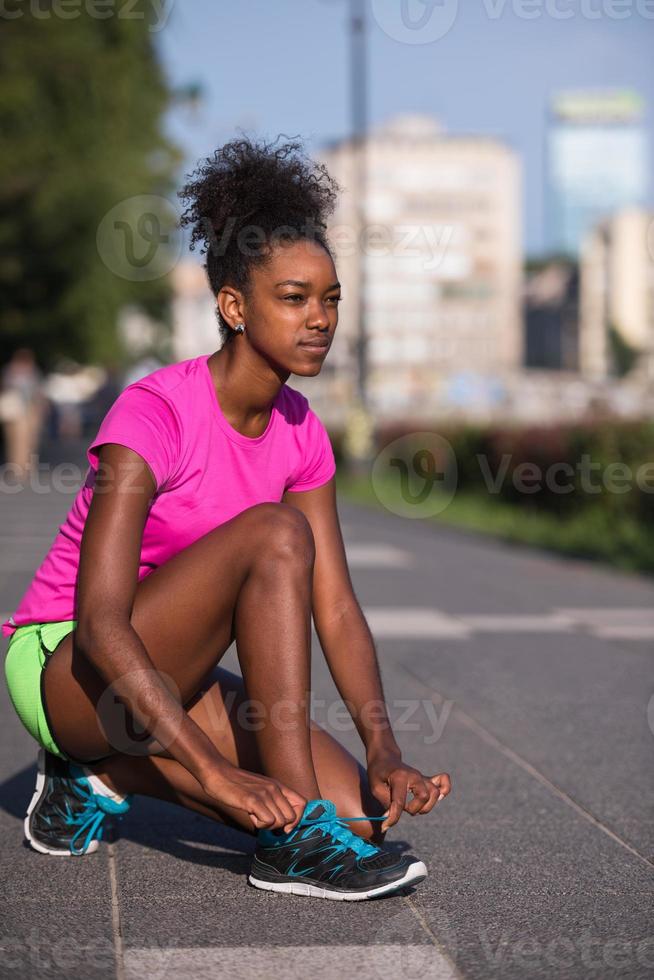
[[29, 647]]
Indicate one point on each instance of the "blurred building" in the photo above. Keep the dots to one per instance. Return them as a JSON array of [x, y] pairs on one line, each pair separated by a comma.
[[551, 311], [194, 320], [443, 264], [445, 293], [597, 162], [617, 296]]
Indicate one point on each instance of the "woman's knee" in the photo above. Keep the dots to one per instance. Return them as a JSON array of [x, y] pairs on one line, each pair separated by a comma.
[[283, 535]]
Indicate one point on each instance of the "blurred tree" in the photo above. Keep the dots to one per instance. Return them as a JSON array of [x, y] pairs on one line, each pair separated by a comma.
[[623, 356], [82, 116]]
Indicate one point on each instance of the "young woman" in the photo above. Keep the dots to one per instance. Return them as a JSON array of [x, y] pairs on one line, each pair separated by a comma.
[[209, 515]]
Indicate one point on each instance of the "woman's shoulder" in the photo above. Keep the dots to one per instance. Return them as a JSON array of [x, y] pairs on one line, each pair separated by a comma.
[[168, 378], [301, 420], [174, 389], [293, 405]]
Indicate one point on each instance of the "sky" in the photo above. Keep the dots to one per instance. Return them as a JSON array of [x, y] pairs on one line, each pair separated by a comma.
[[478, 66]]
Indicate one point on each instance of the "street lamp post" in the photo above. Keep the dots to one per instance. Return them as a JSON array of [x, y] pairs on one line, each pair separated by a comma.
[[358, 104], [359, 427]]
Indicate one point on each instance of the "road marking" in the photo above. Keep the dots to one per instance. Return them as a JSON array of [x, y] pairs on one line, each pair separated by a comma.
[[411, 622], [373, 962], [421, 622], [626, 632], [527, 623], [417, 623], [623, 623], [622, 616], [378, 556]]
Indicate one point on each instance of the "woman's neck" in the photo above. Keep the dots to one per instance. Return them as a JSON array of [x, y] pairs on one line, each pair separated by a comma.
[[245, 392]]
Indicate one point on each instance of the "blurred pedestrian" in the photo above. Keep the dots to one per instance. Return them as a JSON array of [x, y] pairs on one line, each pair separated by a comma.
[[22, 410], [69, 387]]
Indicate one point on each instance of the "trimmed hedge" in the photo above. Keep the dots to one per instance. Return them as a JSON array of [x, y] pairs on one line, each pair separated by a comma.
[[586, 489]]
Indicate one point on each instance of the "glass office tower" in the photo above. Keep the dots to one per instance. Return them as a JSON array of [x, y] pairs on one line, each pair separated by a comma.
[[597, 162]]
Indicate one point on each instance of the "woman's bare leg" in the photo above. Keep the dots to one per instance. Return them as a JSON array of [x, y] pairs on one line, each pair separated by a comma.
[[249, 578], [220, 711]]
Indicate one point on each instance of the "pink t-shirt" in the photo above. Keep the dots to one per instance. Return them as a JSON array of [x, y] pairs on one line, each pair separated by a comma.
[[205, 471]]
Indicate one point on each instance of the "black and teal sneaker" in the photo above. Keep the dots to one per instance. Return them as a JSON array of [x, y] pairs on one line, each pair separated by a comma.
[[66, 816], [323, 858]]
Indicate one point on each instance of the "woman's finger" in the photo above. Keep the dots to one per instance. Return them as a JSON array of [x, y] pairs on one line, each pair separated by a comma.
[[443, 783], [282, 802], [289, 813], [381, 791], [259, 813], [433, 797], [420, 795], [297, 801], [273, 804], [398, 788]]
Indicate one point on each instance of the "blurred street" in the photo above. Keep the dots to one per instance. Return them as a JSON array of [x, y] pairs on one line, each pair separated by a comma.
[[525, 677]]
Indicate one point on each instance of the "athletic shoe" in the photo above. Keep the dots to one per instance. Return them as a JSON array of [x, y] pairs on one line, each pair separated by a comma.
[[323, 858], [65, 806]]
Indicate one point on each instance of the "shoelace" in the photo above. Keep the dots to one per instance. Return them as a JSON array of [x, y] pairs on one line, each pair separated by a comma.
[[337, 828], [91, 816]]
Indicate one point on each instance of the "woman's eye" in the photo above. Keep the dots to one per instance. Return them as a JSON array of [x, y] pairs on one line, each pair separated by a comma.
[[332, 299]]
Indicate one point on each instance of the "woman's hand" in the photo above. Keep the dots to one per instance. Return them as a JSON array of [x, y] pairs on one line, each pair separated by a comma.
[[268, 802], [390, 779]]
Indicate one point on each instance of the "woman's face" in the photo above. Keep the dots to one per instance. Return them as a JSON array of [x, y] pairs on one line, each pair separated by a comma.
[[293, 302]]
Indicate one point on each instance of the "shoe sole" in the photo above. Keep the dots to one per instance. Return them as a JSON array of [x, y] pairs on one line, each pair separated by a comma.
[[415, 873], [38, 793]]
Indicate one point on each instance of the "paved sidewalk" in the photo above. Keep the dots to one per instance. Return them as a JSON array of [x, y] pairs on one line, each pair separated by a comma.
[[527, 677]]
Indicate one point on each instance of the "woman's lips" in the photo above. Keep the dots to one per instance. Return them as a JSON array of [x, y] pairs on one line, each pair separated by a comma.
[[314, 345]]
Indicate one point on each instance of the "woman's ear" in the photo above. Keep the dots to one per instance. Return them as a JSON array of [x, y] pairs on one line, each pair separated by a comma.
[[230, 304]]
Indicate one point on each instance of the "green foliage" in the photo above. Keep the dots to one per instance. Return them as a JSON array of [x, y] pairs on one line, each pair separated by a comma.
[[83, 102], [623, 355], [586, 490]]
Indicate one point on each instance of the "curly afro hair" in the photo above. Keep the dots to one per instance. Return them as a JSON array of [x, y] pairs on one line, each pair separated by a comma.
[[246, 199]]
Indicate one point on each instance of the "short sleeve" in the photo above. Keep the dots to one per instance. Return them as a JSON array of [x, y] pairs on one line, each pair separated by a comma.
[[319, 464], [145, 422]]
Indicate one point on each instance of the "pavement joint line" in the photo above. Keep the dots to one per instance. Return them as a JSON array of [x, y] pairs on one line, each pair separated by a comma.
[[495, 743], [456, 973], [115, 913]]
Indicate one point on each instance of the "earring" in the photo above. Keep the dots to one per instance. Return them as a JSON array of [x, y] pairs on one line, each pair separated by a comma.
[[239, 328]]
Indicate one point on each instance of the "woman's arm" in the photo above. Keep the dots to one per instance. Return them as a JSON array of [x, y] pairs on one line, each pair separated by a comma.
[[108, 576], [349, 650], [344, 635]]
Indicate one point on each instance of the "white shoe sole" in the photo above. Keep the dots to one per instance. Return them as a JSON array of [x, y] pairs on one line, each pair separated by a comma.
[[35, 844], [415, 872]]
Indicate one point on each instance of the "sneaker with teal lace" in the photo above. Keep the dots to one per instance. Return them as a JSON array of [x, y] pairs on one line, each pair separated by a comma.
[[66, 816], [323, 858]]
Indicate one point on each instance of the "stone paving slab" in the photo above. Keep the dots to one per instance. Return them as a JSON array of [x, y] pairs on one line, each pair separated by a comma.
[[540, 862]]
